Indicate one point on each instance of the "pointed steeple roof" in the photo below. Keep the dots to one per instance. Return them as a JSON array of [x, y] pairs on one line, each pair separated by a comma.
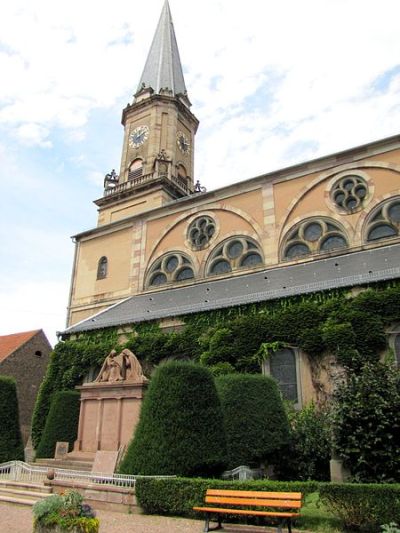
[[163, 69]]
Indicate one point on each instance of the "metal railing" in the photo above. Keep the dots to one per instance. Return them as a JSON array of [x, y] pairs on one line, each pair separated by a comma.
[[20, 471]]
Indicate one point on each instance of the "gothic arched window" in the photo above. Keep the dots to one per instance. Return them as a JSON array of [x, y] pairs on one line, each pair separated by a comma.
[[283, 366], [173, 267], [102, 268], [314, 235], [135, 169], [234, 253], [385, 221]]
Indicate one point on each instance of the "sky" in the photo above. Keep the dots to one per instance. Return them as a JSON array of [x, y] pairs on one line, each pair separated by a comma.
[[273, 83]]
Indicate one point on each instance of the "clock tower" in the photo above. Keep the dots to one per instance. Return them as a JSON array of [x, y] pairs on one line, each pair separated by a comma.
[[158, 151]]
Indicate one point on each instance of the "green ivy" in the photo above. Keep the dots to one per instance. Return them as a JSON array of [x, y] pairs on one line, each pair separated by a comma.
[[350, 327]]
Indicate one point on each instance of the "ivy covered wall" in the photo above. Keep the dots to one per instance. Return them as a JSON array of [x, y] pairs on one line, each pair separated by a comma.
[[351, 327]]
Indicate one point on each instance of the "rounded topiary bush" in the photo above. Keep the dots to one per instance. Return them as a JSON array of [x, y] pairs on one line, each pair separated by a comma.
[[61, 423], [180, 430], [11, 447], [256, 424]]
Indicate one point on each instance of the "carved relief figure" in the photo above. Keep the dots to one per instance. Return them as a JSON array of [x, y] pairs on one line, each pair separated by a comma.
[[133, 369], [122, 367], [112, 369]]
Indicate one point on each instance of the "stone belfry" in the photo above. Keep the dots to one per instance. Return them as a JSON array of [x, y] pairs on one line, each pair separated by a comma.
[[158, 150]]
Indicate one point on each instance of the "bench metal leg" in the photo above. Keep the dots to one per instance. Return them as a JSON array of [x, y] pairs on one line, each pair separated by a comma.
[[289, 525], [207, 523], [207, 527]]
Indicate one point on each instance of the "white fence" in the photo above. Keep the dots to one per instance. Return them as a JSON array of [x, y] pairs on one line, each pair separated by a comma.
[[20, 471]]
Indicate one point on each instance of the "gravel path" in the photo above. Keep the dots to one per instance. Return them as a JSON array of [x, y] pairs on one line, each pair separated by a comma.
[[18, 519]]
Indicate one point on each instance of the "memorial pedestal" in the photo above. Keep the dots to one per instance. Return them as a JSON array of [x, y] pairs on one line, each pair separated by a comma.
[[108, 416]]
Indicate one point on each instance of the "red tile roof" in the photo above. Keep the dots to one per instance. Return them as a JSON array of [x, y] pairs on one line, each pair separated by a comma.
[[9, 343]]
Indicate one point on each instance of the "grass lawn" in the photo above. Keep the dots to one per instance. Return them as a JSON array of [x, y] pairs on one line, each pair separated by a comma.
[[315, 517]]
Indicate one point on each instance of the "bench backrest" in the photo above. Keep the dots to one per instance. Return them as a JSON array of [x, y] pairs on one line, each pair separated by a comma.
[[287, 500]]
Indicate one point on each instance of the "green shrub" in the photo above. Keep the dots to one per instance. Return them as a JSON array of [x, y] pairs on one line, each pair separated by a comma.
[[11, 447], [66, 512], [61, 424], [390, 528], [362, 507], [255, 420], [180, 430], [367, 423], [177, 496], [309, 451]]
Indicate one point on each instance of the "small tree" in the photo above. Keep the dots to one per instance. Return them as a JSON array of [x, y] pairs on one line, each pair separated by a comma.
[[61, 423], [11, 447], [367, 423], [309, 451], [256, 423], [180, 430]]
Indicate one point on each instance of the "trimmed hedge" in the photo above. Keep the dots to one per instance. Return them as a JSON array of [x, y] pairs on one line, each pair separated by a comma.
[[11, 447], [180, 431], [362, 507], [255, 420], [177, 496], [61, 424]]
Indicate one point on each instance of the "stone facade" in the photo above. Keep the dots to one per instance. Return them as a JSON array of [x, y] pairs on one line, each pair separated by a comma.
[[26, 363], [158, 233]]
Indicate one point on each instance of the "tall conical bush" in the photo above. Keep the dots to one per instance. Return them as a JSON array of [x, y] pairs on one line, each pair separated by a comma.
[[61, 423], [180, 431], [11, 447], [256, 424]]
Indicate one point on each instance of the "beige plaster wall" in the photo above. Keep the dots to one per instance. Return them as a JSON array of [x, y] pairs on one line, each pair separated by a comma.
[[116, 246]]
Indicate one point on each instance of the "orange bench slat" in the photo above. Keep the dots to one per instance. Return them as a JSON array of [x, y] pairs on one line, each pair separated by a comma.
[[260, 502], [246, 512], [255, 494]]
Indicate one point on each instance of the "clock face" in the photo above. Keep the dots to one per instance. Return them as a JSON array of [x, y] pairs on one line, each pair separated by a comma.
[[182, 142], [138, 136]]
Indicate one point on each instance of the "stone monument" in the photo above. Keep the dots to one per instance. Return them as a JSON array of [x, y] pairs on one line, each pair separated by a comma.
[[110, 406]]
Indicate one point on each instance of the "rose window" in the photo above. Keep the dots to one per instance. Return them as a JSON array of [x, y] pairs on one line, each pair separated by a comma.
[[349, 193], [200, 232]]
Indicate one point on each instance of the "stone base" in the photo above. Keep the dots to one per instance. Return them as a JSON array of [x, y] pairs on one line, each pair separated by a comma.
[[108, 416], [339, 474]]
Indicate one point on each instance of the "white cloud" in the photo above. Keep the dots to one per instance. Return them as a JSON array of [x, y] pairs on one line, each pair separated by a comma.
[[273, 83]]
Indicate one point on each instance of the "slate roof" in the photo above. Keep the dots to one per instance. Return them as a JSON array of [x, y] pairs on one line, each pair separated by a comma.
[[163, 69], [10, 343], [347, 270]]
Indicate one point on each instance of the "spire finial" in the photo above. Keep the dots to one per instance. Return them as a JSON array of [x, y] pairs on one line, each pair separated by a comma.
[[163, 69]]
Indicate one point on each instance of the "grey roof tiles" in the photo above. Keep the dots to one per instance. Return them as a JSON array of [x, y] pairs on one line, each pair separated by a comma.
[[351, 269]]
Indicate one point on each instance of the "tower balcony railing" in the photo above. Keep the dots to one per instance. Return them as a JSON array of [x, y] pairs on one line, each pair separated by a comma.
[[144, 179]]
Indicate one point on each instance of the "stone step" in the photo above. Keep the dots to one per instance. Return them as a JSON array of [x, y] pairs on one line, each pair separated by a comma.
[[85, 466], [17, 500], [20, 485], [25, 494]]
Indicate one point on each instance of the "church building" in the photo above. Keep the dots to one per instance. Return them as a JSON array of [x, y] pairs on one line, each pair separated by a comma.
[[164, 247]]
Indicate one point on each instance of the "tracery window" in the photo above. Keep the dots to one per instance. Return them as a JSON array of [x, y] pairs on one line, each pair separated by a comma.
[[173, 267], [385, 221], [200, 232], [314, 235], [102, 268], [283, 366], [349, 193], [234, 253]]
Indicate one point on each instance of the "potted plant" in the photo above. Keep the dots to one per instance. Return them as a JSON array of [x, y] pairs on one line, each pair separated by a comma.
[[67, 512]]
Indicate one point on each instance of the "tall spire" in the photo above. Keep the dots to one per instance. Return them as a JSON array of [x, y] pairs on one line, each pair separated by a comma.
[[163, 69]]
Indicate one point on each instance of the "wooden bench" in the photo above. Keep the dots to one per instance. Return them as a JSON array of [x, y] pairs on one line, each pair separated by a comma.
[[281, 505]]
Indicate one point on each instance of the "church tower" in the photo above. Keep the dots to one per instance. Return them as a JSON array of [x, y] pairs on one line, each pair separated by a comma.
[[158, 150]]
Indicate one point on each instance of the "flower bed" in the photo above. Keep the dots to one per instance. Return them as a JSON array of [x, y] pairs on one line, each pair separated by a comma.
[[57, 514]]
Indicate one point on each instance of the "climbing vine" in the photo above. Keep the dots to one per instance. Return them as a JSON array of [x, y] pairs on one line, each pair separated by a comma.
[[234, 339]]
